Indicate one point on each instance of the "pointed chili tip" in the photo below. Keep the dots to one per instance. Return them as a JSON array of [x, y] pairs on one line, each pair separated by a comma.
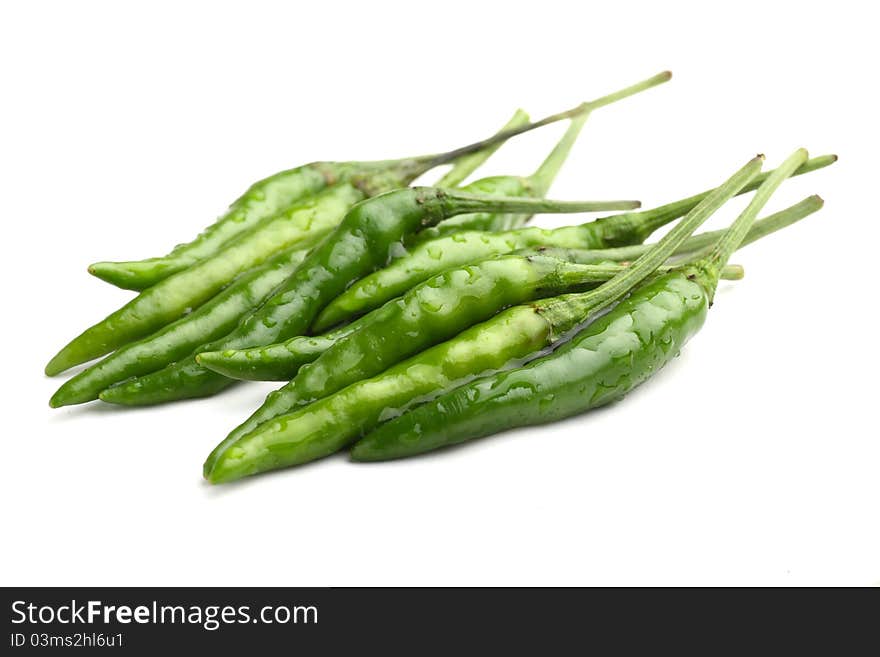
[[54, 366]]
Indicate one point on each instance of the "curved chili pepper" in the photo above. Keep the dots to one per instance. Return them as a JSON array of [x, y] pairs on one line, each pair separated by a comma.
[[598, 366], [282, 361], [331, 423], [431, 257], [210, 321], [360, 244], [273, 194]]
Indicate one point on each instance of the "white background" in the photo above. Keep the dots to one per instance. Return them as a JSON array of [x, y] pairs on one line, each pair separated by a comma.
[[753, 459]]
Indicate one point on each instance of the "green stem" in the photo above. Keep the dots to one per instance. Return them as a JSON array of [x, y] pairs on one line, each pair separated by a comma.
[[549, 169], [657, 217], [456, 202], [693, 248], [722, 250], [760, 228], [467, 164], [626, 92], [431, 161], [563, 313]]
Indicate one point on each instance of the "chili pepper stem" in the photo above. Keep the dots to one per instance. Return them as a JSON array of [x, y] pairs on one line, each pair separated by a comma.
[[426, 162], [710, 265], [559, 311], [651, 220], [456, 202], [541, 180], [467, 164]]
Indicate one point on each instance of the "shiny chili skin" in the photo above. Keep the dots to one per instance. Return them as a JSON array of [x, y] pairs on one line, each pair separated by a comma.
[[301, 225], [329, 424], [360, 244], [282, 361], [177, 340], [430, 313], [599, 365], [429, 257]]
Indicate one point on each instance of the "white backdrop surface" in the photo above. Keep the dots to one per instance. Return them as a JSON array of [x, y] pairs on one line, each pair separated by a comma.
[[752, 459]]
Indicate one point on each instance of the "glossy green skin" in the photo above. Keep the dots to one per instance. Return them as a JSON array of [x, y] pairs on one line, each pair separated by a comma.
[[429, 313], [177, 340], [279, 361], [599, 365], [434, 256], [301, 225], [333, 422], [433, 312], [361, 243]]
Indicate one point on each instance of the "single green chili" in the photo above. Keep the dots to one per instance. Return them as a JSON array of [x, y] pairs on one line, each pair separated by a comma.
[[282, 361], [273, 194], [177, 340], [433, 256], [360, 244], [331, 423], [598, 366]]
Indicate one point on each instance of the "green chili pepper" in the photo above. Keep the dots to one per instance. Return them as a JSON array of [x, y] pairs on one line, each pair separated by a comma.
[[599, 365], [301, 225], [210, 321], [282, 361], [431, 257], [331, 423], [359, 245], [273, 194]]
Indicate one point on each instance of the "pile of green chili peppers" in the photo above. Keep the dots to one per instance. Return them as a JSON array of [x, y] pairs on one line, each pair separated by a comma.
[[405, 319]]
